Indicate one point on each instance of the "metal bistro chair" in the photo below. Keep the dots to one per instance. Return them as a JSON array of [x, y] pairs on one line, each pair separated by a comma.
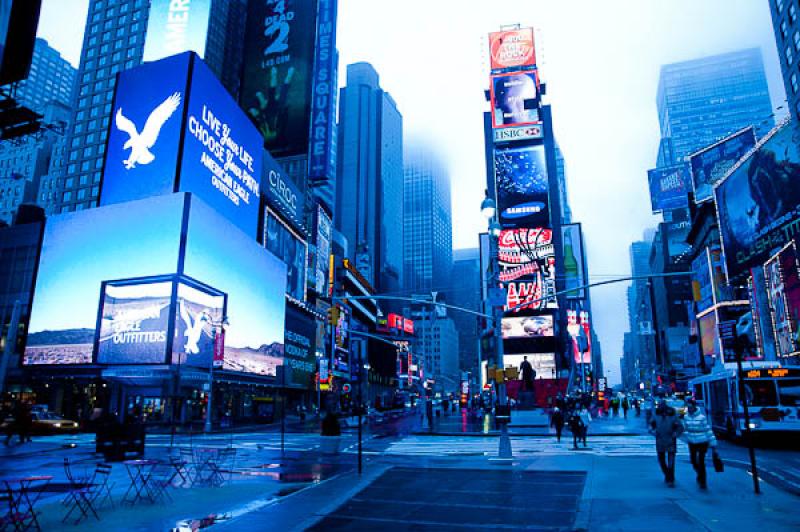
[[161, 480], [79, 496], [222, 466], [189, 466], [100, 487], [182, 472]]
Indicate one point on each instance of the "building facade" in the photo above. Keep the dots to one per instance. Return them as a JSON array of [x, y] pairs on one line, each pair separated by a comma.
[[51, 78], [437, 340], [703, 100], [369, 192], [787, 38], [466, 294], [427, 222]]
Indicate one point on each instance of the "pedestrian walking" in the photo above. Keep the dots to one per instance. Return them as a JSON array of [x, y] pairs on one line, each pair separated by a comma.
[[700, 437], [586, 420], [666, 427], [557, 422], [637, 404], [625, 406], [615, 406]]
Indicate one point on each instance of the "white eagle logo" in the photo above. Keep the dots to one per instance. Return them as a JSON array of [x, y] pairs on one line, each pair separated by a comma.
[[194, 328], [140, 143]]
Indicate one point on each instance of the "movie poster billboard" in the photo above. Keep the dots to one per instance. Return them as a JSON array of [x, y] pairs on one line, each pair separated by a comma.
[[669, 187], [709, 335], [741, 313], [522, 186], [528, 327], [783, 286], [512, 49], [278, 62], [287, 245], [758, 203], [710, 164], [514, 98], [134, 323]]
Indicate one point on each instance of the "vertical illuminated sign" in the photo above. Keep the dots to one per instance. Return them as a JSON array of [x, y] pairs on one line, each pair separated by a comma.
[[321, 156], [276, 86]]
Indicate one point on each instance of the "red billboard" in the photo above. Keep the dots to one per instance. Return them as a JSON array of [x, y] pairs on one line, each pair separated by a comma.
[[512, 49]]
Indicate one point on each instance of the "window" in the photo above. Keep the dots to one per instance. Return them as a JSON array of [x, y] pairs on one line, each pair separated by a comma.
[[789, 55], [779, 5], [794, 83], [82, 194], [784, 29], [792, 14], [67, 196]]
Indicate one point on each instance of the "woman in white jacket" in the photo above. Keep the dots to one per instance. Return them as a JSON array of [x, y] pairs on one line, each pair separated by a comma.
[[699, 436]]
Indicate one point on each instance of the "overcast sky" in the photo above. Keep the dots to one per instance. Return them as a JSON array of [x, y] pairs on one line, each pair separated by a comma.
[[600, 61]]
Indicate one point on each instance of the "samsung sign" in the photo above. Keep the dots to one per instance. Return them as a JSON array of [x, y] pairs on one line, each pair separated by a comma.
[[510, 134], [282, 193]]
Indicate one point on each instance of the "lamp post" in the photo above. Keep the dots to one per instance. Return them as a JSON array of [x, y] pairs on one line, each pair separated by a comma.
[[502, 409], [214, 326]]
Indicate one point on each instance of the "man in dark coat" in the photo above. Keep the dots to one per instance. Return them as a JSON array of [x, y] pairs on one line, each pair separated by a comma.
[[528, 374], [666, 427]]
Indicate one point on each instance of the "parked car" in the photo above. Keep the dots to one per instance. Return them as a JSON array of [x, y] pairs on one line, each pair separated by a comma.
[[46, 423]]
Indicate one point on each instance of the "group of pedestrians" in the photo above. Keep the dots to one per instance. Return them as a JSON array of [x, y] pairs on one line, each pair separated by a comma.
[[668, 427], [573, 412]]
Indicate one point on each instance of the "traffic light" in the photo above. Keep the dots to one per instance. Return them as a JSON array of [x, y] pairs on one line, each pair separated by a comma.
[[333, 316]]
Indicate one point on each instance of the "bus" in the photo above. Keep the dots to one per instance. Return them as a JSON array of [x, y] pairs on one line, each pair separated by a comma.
[[773, 398]]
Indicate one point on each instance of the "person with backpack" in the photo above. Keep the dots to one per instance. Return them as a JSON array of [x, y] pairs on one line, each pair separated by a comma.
[[666, 427]]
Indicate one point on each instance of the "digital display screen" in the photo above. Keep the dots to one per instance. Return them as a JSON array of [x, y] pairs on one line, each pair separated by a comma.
[[514, 99], [134, 323], [176, 26], [80, 251], [198, 319], [578, 325], [527, 268], [527, 327], [254, 281], [323, 252], [544, 364], [285, 244], [222, 152], [512, 48], [522, 186], [144, 134]]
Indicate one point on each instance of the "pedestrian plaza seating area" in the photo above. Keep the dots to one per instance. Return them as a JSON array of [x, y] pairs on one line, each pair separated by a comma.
[[86, 493]]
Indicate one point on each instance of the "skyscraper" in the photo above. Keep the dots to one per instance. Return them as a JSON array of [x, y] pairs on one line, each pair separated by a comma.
[[787, 38], [369, 192], [466, 293], [427, 221], [114, 40], [51, 79], [702, 100]]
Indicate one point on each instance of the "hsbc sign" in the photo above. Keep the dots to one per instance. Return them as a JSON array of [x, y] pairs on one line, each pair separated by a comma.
[[510, 134]]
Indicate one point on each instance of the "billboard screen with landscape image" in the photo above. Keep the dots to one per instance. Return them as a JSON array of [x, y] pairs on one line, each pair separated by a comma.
[[80, 251], [254, 280]]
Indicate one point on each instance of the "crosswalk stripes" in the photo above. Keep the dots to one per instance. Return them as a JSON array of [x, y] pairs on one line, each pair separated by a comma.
[[454, 446]]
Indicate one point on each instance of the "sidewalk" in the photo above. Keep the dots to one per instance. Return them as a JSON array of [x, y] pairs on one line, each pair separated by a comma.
[[620, 493]]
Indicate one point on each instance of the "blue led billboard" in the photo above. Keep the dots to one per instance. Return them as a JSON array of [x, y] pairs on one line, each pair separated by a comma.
[[255, 283], [83, 249], [522, 187], [155, 133], [710, 164], [199, 313], [669, 187], [221, 152], [144, 135]]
